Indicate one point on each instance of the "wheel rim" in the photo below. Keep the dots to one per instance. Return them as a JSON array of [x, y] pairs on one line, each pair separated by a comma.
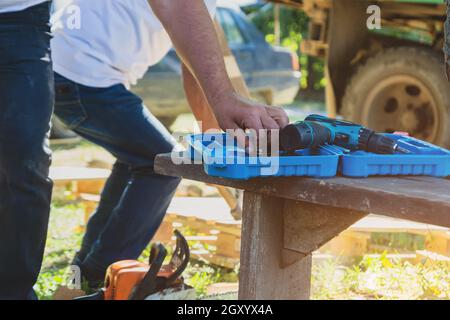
[[402, 103]]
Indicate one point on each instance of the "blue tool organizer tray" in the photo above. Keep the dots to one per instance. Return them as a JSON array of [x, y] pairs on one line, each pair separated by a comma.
[[232, 163], [228, 161], [424, 159]]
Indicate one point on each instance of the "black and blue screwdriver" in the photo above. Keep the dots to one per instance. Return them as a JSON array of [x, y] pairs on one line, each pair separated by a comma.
[[317, 130]]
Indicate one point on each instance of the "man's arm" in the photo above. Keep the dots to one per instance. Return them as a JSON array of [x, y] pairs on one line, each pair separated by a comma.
[[192, 32], [197, 101]]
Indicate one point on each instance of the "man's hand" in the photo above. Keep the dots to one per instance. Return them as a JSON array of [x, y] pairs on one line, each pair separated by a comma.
[[192, 32], [235, 112]]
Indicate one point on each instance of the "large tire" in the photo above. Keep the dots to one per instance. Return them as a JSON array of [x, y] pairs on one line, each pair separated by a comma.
[[402, 89]]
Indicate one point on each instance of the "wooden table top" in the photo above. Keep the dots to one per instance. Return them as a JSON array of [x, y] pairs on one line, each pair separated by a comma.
[[421, 199]]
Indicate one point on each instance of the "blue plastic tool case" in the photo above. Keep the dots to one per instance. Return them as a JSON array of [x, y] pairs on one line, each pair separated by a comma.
[[227, 161], [424, 159]]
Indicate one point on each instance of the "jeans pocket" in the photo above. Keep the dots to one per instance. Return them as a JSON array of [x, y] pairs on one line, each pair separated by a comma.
[[68, 105]]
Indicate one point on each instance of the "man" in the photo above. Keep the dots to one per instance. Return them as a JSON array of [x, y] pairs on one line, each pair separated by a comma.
[[94, 67], [26, 102]]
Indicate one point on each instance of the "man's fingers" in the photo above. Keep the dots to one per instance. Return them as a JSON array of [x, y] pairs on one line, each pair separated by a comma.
[[254, 122], [238, 133], [269, 123], [241, 138], [247, 119], [279, 115]]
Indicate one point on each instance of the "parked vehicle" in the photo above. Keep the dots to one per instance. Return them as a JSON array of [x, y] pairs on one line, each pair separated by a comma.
[[390, 78], [271, 73]]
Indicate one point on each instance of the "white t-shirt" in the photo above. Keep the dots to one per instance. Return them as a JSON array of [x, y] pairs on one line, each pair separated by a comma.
[[17, 5], [101, 43]]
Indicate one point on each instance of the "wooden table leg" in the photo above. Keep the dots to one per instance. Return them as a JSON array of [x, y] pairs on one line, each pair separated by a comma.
[[267, 270]]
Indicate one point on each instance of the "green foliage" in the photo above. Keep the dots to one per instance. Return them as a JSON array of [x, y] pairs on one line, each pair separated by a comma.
[[200, 275], [62, 241], [293, 29], [201, 279], [380, 278], [327, 280], [402, 241], [49, 281]]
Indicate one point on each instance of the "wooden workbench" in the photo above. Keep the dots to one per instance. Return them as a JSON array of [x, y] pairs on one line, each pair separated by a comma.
[[286, 219]]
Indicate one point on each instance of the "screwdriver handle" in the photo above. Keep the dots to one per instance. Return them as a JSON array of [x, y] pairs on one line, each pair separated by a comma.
[[303, 135]]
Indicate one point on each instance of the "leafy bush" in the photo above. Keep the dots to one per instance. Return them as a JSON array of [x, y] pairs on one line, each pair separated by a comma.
[[293, 29]]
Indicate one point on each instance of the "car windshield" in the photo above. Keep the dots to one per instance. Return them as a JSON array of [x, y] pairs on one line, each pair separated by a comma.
[[231, 29]]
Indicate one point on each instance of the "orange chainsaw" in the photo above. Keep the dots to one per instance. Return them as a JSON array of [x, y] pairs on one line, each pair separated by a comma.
[[134, 280]]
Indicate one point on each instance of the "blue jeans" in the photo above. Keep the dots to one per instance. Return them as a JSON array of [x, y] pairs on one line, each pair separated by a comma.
[[26, 102], [135, 199]]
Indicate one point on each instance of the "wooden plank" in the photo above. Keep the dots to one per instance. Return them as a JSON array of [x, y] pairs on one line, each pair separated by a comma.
[[231, 65], [204, 226], [206, 208], [68, 174], [221, 288], [373, 223], [80, 179], [421, 199], [262, 275], [164, 233], [431, 259], [347, 244], [231, 199], [89, 186], [438, 242], [215, 259]]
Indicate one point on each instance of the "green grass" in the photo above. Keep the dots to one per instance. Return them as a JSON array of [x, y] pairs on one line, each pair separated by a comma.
[[380, 278], [62, 241], [370, 278]]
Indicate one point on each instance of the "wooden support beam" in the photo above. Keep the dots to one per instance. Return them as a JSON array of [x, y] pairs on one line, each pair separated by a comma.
[[308, 226], [230, 62], [263, 274]]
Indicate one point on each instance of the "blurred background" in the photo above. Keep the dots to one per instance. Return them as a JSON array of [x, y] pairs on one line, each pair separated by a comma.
[[380, 67], [273, 67], [308, 57]]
